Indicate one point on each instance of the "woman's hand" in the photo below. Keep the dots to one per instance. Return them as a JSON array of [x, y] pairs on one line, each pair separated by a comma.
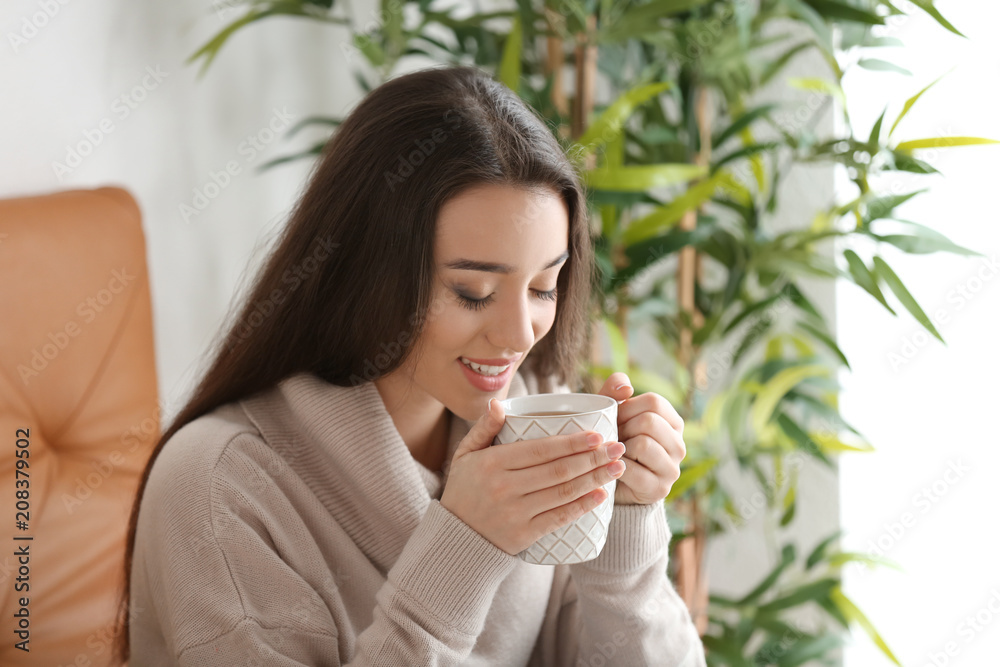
[[651, 430], [515, 493]]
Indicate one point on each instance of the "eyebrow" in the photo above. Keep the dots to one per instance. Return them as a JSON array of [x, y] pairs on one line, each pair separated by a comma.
[[472, 265]]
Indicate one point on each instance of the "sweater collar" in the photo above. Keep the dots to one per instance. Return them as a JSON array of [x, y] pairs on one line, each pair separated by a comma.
[[343, 444]]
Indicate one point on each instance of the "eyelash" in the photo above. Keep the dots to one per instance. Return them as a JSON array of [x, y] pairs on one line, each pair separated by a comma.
[[479, 304]]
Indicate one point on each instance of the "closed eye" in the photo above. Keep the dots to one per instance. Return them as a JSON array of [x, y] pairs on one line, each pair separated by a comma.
[[479, 304]]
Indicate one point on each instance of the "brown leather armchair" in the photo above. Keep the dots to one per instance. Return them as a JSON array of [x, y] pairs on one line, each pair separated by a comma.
[[79, 416]]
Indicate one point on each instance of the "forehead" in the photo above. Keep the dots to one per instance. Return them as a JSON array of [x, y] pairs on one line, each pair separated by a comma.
[[495, 218]]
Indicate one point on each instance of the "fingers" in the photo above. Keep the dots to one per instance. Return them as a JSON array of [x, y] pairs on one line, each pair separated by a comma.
[[652, 402], [568, 468], [528, 453], [484, 430], [645, 484], [617, 386], [656, 430], [574, 489]]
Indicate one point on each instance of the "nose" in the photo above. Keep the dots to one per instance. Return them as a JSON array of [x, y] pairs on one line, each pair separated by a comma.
[[512, 328]]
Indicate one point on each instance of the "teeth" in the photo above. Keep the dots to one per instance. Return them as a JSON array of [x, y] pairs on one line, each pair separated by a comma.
[[483, 369]]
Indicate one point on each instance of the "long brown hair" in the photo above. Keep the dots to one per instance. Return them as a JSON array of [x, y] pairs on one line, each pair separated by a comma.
[[354, 267]]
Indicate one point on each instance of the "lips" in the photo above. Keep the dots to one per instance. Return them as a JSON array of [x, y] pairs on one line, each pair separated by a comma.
[[499, 361], [488, 383]]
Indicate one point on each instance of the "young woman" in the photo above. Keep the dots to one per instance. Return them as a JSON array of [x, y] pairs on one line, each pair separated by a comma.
[[328, 495]]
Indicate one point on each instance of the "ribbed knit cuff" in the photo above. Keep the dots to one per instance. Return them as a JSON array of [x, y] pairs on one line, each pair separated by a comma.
[[637, 535], [452, 570]]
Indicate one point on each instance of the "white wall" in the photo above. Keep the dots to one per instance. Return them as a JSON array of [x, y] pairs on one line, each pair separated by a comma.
[[927, 497], [84, 77]]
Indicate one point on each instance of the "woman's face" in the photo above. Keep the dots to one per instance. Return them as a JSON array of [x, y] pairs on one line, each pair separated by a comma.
[[498, 253]]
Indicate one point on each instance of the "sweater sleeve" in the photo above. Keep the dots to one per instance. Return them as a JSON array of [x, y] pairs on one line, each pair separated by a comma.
[[434, 603], [621, 607], [215, 585]]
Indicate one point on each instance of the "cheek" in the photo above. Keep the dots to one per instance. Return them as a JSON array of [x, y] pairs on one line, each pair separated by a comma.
[[449, 333], [543, 323]]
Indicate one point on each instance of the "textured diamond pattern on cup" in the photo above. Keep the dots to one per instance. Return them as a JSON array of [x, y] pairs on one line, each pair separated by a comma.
[[573, 543], [584, 538]]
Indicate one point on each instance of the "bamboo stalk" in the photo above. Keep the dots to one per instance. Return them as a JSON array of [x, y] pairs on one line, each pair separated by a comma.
[[586, 74], [554, 61], [692, 576]]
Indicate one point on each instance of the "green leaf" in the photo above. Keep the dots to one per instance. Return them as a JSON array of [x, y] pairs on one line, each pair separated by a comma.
[[788, 504], [773, 67], [690, 476], [472, 21], [906, 162], [744, 121], [797, 262], [852, 613], [877, 65], [839, 11], [640, 178], [942, 142], [736, 413], [747, 151], [826, 340], [642, 254], [509, 70], [882, 207], [896, 285], [909, 104], [610, 123], [665, 216], [802, 439], [816, 555], [317, 149], [922, 245], [873, 138], [814, 20], [800, 300], [809, 648], [751, 309], [776, 388], [787, 558], [928, 6], [211, 48], [834, 613], [864, 278], [312, 120], [819, 85], [728, 651], [839, 559], [925, 232], [371, 50], [831, 443], [813, 591], [644, 18]]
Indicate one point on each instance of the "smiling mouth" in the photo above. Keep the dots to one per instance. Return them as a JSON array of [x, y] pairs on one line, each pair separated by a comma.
[[483, 369]]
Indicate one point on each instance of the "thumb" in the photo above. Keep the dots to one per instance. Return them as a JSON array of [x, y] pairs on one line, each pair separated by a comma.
[[618, 386], [481, 435]]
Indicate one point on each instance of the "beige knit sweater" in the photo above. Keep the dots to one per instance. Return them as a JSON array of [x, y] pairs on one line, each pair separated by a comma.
[[294, 527]]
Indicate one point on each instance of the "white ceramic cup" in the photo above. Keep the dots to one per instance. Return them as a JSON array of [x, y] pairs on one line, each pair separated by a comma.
[[584, 538]]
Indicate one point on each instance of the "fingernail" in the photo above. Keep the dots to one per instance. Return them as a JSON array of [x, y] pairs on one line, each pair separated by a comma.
[[594, 439], [624, 384], [617, 467], [616, 449]]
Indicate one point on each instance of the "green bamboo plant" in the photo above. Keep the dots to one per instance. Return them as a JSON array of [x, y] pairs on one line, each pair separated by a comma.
[[684, 162]]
